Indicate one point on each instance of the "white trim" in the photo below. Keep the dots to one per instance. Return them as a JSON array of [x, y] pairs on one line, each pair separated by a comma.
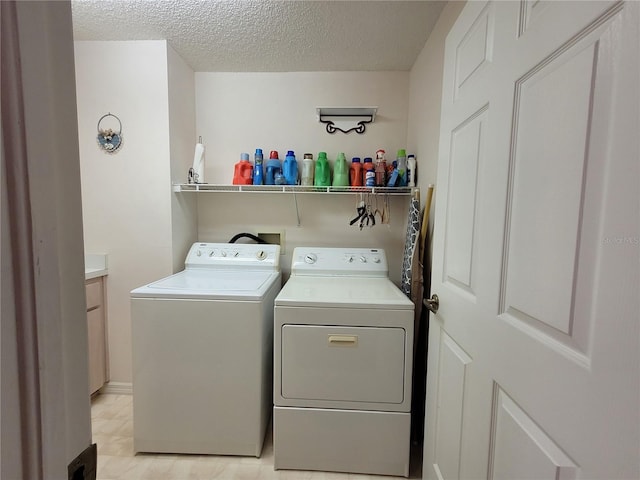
[[118, 388]]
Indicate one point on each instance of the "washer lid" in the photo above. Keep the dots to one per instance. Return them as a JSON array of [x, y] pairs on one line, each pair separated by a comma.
[[341, 292], [210, 284]]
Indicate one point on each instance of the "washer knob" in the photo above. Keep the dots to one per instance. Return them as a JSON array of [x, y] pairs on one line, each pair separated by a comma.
[[223, 253], [310, 258], [363, 259], [199, 253], [376, 259], [211, 253], [261, 255]]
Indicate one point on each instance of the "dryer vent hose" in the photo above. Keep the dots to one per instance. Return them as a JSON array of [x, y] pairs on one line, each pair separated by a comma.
[[248, 235]]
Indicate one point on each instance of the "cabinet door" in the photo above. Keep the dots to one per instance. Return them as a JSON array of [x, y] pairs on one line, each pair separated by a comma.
[[97, 367], [93, 292]]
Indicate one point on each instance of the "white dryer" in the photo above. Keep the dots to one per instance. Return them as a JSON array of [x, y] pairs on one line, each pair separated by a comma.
[[202, 352], [343, 339]]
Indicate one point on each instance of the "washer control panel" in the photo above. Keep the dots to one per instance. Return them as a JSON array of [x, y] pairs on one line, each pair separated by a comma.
[[232, 255], [371, 262]]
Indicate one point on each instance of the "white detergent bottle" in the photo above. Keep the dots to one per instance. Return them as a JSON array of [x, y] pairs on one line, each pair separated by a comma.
[[306, 178], [411, 170]]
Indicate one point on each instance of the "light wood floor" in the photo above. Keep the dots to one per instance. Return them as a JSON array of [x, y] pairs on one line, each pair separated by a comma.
[[112, 424]]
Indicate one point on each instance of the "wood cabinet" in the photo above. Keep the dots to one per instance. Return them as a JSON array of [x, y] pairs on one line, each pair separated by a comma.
[[95, 290]]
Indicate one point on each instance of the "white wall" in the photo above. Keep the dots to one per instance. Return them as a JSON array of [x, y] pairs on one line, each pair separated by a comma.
[[239, 112], [126, 197], [182, 126]]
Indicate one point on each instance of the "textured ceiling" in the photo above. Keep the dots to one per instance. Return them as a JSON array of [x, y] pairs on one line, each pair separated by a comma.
[[268, 35]]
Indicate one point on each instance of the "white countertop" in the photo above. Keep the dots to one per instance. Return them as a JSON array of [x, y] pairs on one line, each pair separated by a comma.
[[95, 265]]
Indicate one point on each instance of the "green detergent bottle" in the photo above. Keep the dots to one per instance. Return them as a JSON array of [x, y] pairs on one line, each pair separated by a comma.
[[323, 171], [341, 171]]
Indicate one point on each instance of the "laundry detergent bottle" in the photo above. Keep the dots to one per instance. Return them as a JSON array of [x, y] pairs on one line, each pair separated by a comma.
[[258, 171], [369, 173], [273, 169], [394, 179], [290, 168], [340, 171], [243, 171], [308, 167], [323, 171], [402, 168], [355, 172]]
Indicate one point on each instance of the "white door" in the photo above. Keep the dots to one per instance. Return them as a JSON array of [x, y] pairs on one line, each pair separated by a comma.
[[534, 363]]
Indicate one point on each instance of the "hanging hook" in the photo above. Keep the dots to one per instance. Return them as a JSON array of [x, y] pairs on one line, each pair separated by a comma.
[[360, 211], [109, 114]]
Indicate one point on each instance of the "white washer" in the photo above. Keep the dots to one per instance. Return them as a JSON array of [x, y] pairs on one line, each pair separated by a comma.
[[202, 352], [343, 361]]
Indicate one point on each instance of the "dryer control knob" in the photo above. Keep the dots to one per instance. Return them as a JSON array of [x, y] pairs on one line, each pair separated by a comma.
[[261, 255], [363, 259], [211, 253], [223, 253], [376, 259], [310, 258], [199, 253]]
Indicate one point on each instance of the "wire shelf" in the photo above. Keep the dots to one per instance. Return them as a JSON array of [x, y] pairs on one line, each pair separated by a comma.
[[207, 187]]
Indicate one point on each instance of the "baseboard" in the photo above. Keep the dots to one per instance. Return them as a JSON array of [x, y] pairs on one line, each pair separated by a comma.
[[118, 388]]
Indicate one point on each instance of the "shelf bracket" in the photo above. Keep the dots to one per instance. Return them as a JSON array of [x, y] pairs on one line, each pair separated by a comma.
[[348, 116]]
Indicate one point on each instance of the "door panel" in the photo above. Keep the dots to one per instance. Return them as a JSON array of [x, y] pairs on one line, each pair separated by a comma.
[[452, 364], [516, 436], [530, 13], [548, 171], [554, 175], [534, 364], [466, 155], [474, 50]]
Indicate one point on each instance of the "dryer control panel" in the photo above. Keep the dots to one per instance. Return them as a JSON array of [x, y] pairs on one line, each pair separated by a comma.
[[364, 262], [233, 255]]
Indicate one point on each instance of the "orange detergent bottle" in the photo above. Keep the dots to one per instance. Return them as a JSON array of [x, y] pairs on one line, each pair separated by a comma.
[[243, 172], [355, 172]]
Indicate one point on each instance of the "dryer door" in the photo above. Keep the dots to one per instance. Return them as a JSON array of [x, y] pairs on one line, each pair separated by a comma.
[[345, 364]]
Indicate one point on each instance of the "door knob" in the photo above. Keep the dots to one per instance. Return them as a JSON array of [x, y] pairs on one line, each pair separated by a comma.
[[432, 303]]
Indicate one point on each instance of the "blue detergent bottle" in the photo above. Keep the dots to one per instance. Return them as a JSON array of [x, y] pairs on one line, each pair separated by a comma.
[[258, 171], [290, 168], [394, 178], [274, 168]]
